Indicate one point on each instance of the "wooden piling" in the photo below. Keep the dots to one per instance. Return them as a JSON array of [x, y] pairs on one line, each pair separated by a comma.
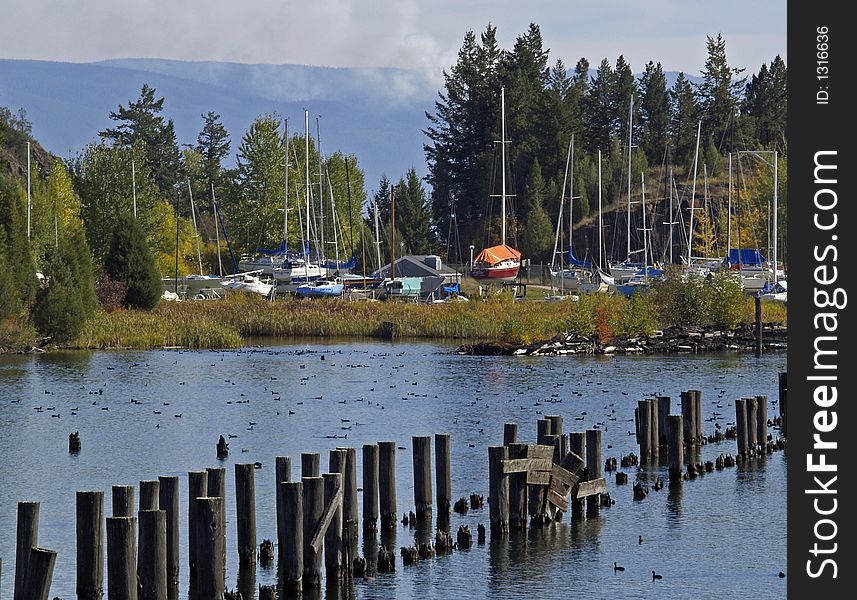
[[27, 537], [90, 545], [245, 510], [577, 444], [593, 465], [197, 484], [370, 488], [122, 558], [387, 483], [654, 427], [510, 433], [752, 428], [150, 494], [741, 425], [333, 537], [168, 500], [675, 443], [663, 413], [422, 476], [350, 513], [543, 428], [217, 489], [313, 501], [292, 551], [645, 421], [498, 489], [152, 555], [443, 472], [282, 472], [688, 408], [697, 414], [40, 572], [783, 399], [757, 299], [210, 576], [762, 421], [556, 424], [310, 464], [517, 491], [123, 501]]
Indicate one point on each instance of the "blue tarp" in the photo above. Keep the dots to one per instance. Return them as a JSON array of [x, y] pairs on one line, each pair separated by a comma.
[[273, 251], [745, 256], [451, 289], [574, 262], [332, 264]]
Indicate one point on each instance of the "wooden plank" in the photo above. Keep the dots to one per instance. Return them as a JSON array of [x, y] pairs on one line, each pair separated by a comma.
[[540, 451], [559, 487], [569, 479], [590, 488], [519, 465], [538, 477], [557, 500], [326, 518], [572, 463]]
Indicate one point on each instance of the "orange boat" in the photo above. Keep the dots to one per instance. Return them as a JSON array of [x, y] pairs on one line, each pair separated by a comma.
[[497, 263]]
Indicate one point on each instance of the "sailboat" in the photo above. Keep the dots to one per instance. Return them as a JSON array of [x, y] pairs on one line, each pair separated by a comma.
[[499, 263], [596, 280], [567, 279]]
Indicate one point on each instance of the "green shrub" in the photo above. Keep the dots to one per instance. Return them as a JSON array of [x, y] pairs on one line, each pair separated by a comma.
[[640, 316], [130, 262], [726, 298]]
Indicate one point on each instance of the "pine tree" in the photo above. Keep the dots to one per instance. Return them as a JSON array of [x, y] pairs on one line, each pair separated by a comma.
[[598, 109], [214, 145], [683, 120], [19, 267], [130, 262], [412, 215], [719, 91], [624, 88], [537, 235], [655, 111]]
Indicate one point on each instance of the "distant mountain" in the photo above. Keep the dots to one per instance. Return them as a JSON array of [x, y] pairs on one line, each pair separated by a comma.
[[377, 114]]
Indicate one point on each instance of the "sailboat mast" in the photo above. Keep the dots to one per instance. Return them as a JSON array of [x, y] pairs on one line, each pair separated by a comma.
[[320, 189], [561, 204], [570, 201], [29, 203], [286, 186], [393, 233], [645, 242], [503, 164], [693, 194], [600, 266], [377, 234], [671, 223], [306, 144], [216, 231], [729, 211], [133, 184], [195, 232], [776, 183], [630, 117]]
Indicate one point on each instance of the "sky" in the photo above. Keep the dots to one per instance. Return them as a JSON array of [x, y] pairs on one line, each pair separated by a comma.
[[420, 35]]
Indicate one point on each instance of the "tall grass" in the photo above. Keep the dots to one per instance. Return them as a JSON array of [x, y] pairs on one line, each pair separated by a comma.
[[225, 324]]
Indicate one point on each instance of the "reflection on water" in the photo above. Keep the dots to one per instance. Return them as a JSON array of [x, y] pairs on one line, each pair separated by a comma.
[[145, 414]]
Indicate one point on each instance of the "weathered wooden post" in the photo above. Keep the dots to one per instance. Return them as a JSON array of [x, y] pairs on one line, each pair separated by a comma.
[[422, 476], [757, 299], [577, 444], [783, 398], [688, 418], [282, 472], [350, 513], [27, 537], [654, 427], [510, 433], [150, 491], [197, 484], [310, 464], [443, 468], [292, 552], [663, 413], [217, 489], [370, 488], [498, 489], [556, 424], [645, 436], [313, 500], [245, 509], [122, 558], [517, 490], [90, 545], [152, 555], [543, 428], [741, 425], [675, 443], [210, 576], [762, 422], [40, 573], [752, 428], [697, 409], [333, 547], [387, 483], [168, 500], [593, 466], [123, 501]]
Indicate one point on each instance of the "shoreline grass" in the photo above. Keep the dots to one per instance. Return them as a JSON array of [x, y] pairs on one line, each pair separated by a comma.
[[231, 322]]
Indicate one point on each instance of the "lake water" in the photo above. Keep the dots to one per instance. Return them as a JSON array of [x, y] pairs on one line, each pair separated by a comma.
[[720, 536]]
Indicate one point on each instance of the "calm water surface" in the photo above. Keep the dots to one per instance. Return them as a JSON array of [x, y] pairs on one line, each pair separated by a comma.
[[721, 536]]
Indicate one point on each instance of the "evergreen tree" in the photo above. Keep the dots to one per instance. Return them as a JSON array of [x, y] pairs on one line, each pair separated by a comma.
[[141, 123], [719, 91], [598, 108], [623, 90], [130, 262], [412, 214], [214, 145], [655, 111], [764, 104], [537, 236], [683, 120], [19, 266]]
